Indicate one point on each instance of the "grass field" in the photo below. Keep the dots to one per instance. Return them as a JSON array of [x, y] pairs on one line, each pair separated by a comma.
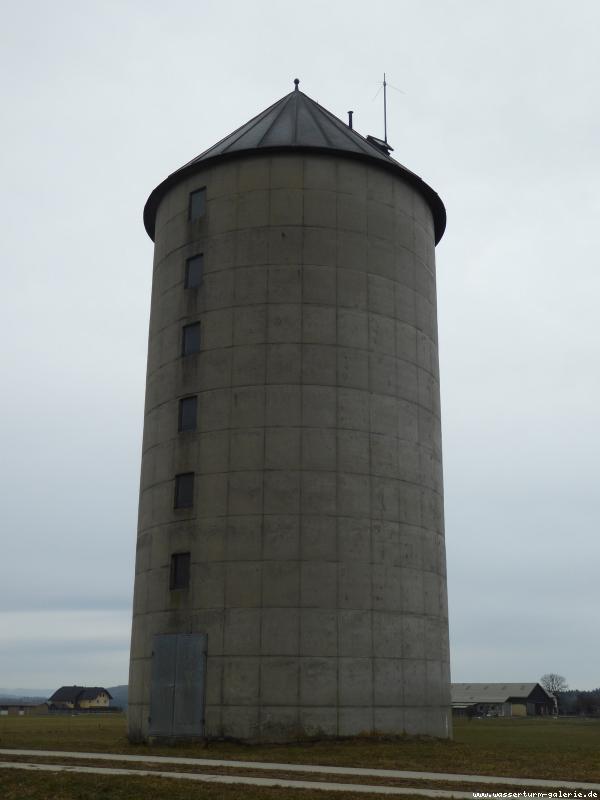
[[567, 749], [31, 786]]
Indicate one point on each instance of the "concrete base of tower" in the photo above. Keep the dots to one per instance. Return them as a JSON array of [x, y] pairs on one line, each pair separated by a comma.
[[281, 724], [289, 724], [276, 698]]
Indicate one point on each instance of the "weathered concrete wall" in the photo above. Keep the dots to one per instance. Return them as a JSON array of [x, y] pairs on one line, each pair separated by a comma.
[[316, 535]]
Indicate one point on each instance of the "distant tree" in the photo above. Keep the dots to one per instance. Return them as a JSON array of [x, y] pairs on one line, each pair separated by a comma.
[[554, 683], [588, 703], [568, 701]]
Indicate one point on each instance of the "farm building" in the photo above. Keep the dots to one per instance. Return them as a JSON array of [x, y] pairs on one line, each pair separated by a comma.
[[22, 709], [501, 700], [80, 697]]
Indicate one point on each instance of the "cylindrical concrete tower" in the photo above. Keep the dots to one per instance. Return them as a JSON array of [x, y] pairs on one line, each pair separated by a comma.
[[290, 572]]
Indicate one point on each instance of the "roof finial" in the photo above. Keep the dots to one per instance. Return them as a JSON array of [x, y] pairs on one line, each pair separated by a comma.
[[296, 82]]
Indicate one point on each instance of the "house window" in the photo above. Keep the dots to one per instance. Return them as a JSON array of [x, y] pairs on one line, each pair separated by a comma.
[[180, 571], [184, 490], [190, 341], [187, 413], [197, 206], [194, 268]]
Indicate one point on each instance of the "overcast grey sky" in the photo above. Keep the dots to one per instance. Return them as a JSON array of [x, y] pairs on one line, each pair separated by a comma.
[[101, 100]]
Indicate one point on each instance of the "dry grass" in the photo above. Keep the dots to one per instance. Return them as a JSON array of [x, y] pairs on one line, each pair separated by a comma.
[[17, 785], [277, 774], [536, 748]]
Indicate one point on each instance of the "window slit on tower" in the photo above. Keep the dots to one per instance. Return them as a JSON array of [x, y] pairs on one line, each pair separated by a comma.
[[194, 269], [188, 413], [197, 204], [184, 490], [180, 571], [190, 340]]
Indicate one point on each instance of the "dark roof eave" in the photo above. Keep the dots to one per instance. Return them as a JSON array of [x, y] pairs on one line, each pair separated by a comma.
[[430, 195]]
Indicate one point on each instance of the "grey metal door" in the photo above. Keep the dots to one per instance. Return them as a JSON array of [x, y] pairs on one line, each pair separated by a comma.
[[178, 684]]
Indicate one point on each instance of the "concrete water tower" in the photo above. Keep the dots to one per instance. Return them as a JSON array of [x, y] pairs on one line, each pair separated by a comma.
[[290, 570]]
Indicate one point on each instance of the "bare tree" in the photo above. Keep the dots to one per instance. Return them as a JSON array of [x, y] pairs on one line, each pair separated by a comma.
[[554, 683]]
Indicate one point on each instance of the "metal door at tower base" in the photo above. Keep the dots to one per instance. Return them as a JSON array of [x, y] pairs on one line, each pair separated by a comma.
[[178, 683]]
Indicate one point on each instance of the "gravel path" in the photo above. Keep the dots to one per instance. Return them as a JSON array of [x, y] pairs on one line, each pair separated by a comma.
[[287, 768]]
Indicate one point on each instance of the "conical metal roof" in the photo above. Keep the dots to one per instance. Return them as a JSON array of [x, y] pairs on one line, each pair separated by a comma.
[[296, 122]]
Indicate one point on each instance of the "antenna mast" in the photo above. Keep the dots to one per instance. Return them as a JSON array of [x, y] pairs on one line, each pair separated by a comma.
[[384, 109]]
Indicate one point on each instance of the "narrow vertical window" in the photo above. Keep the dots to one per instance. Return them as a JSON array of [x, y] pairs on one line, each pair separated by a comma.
[[197, 206], [184, 490], [188, 413], [180, 571], [190, 340], [194, 269]]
